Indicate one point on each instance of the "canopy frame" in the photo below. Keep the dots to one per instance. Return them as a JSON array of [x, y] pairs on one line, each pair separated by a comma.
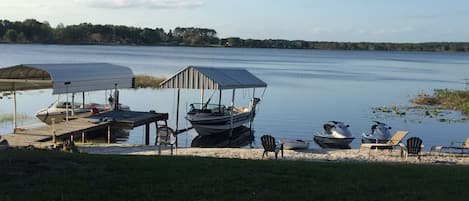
[[64, 78]]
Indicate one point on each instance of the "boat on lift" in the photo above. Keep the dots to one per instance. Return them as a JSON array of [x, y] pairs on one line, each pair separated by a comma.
[[336, 135], [210, 119], [58, 110]]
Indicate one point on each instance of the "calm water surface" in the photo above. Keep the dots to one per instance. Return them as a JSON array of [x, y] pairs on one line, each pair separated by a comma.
[[306, 87]]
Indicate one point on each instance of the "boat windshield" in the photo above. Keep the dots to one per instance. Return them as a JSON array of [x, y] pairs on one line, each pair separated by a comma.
[[212, 108]]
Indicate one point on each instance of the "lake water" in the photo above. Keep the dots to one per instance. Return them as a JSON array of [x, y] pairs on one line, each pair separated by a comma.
[[306, 88]]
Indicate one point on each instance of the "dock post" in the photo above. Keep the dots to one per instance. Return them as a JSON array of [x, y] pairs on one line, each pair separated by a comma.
[[53, 130], [109, 134], [147, 133], [83, 137]]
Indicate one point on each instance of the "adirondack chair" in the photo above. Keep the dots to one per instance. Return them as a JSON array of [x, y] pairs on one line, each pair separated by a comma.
[[413, 147], [268, 142]]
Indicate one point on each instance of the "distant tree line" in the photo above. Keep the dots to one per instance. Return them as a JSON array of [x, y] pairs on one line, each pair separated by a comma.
[[33, 31]]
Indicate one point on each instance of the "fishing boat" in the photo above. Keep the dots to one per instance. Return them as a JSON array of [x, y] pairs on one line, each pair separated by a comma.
[[336, 135], [379, 133], [210, 119], [294, 144]]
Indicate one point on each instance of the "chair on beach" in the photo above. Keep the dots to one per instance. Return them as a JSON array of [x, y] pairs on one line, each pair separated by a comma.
[[268, 142], [164, 137], [413, 147], [393, 142], [464, 146]]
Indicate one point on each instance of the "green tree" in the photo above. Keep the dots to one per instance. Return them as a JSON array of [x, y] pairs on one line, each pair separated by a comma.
[[10, 35]]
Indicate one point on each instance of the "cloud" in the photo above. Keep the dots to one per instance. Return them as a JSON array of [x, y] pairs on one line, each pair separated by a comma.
[[150, 4]]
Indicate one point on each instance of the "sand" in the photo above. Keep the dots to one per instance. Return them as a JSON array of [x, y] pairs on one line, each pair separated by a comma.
[[353, 155]]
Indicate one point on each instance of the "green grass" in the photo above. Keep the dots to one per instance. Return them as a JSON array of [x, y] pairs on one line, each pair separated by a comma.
[[45, 175], [148, 81]]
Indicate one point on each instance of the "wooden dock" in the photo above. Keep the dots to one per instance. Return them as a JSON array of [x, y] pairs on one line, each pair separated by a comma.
[[79, 127]]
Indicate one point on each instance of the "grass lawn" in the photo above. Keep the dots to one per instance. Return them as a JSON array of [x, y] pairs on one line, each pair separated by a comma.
[[45, 175]]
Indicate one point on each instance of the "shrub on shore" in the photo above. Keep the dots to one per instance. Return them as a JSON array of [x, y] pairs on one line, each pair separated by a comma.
[[148, 81], [446, 99]]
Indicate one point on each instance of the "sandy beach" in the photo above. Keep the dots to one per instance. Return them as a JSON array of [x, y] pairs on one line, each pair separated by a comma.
[[351, 155]]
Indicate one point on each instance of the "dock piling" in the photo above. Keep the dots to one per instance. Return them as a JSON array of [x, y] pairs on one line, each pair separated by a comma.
[[109, 134], [147, 133], [83, 137]]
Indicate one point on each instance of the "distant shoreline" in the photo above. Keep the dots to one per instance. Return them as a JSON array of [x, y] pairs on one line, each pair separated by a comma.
[[220, 46], [31, 31]]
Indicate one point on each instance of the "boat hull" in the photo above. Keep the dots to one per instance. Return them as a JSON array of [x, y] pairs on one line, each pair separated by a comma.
[[334, 143], [214, 125], [59, 114], [294, 144]]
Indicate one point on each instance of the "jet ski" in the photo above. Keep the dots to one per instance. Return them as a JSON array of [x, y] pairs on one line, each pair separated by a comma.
[[336, 135], [379, 133]]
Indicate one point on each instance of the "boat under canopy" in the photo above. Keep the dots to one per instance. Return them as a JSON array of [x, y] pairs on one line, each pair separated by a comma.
[[64, 78], [212, 119]]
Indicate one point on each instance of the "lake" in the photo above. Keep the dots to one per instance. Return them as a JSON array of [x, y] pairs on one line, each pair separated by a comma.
[[306, 88]]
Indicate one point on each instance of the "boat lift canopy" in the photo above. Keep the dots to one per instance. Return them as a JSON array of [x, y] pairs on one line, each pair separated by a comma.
[[65, 78], [213, 78]]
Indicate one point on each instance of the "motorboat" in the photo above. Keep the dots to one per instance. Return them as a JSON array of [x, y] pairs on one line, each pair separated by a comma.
[[211, 119], [294, 144], [379, 133], [58, 110], [336, 135]]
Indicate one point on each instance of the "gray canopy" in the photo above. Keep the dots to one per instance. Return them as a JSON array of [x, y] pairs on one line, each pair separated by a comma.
[[65, 78], [213, 78]]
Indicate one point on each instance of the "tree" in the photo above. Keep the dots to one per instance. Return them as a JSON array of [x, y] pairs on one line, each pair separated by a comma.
[[10, 35]]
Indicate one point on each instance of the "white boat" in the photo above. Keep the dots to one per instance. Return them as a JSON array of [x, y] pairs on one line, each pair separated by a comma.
[[210, 119], [58, 110], [294, 144], [336, 135], [379, 133]]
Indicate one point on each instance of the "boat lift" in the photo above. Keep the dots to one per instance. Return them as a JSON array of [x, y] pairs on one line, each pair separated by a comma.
[[211, 78]]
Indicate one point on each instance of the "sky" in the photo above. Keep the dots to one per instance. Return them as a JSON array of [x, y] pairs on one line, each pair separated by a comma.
[[312, 20]]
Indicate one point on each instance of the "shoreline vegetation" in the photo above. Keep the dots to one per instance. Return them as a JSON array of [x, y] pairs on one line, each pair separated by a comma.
[[437, 106], [31, 31], [49, 175], [148, 81], [445, 99]]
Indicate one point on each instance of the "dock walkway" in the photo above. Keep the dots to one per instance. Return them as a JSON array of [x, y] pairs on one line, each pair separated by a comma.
[[80, 126]]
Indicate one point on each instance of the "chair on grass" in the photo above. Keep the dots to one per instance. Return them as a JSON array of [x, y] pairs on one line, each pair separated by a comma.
[[413, 147], [269, 144], [393, 142]]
